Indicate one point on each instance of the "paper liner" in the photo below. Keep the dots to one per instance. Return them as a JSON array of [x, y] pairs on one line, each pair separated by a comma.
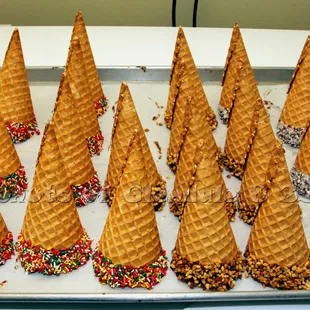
[[236, 54], [213, 277], [242, 123], [15, 104], [257, 164], [51, 219], [14, 184], [185, 80], [117, 275], [130, 236], [87, 192], [6, 248], [277, 238], [296, 111], [80, 88], [21, 132], [34, 258], [126, 121], [101, 105], [94, 82]]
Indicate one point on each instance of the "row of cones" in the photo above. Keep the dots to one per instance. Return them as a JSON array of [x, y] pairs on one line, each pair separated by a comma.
[[15, 99]]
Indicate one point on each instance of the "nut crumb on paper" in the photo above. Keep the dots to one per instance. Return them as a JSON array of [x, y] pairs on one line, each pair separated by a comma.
[[159, 149], [146, 130], [3, 282]]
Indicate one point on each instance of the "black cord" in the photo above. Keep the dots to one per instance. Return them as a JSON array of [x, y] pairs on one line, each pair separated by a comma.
[[174, 5], [195, 13]]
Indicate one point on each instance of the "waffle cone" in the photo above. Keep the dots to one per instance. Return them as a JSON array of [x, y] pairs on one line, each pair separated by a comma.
[[243, 117], [277, 236], [236, 54], [258, 161], [126, 121], [302, 162], [79, 30], [80, 89], [205, 235], [70, 137], [296, 110], [3, 229], [51, 219], [9, 160], [185, 80], [130, 236], [15, 103]]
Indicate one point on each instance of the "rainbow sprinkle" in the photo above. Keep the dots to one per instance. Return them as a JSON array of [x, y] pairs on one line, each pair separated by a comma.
[[34, 258], [6, 248], [14, 184], [95, 144], [21, 132], [117, 275], [101, 105], [87, 192]]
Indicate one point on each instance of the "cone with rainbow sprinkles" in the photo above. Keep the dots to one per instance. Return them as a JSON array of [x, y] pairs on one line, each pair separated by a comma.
[[126, 120], [185, 81], [73, 147], [277, 253], [205, 242], [13, 178], [129, 252], [236, 54], [97, 95], [52, 240], [296, 111], [254, 178], [15, 99], [6, 242], [301, 170], [77, 77]]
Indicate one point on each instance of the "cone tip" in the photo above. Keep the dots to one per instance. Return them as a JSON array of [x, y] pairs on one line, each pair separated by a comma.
[[236, 25]]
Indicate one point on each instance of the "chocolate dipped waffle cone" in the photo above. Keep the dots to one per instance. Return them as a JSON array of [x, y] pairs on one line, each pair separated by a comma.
[[6, 242], [277, 253], [241, 123], [301, 170], [258, 161], [126, 120], [205, 240], [52, 240], [130, 238], [236, 54], [77, 77], [296, 110], [97, 94], [185, 80], [188, 165], [73, 147], [15, 99]]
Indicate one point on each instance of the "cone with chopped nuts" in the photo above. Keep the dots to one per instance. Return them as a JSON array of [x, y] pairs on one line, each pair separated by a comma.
[[73, 147], [277, 253], [188, 167], [52, 240], [126, 120], [97, 95], [296, 110], [206, 254], [254, 178], [301, 170], [185, 81], [129, 252], [6, 242], [236, 54], [241, 123], [77, 77], [15, 99]]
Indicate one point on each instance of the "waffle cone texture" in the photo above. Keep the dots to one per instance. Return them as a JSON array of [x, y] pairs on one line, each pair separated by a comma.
[[3, 228], [126, 121], [184, 82], [51, 220]]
